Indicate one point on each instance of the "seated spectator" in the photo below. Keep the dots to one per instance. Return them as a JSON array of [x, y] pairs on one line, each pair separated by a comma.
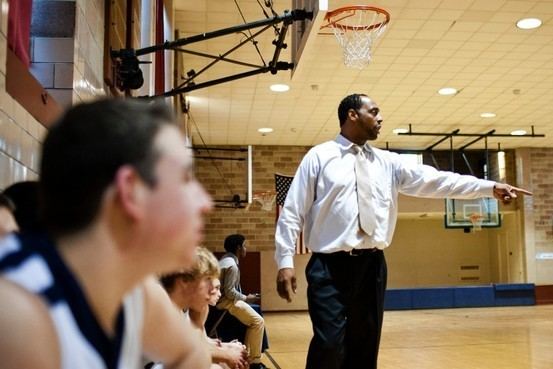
[[7, 220], [238, 304], [191, 291], [119, 202]]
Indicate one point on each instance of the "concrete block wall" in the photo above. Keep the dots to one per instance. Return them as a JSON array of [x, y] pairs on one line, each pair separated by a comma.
[[20, 133], [88, 71], [52, 66], [52, 48], [67, 56], [78, 71]]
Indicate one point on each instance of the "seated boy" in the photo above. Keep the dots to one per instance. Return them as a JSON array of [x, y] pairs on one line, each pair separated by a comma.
[[191, 291]]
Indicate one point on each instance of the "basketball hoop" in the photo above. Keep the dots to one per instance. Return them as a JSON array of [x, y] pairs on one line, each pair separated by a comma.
[[357, 28], [476, 220], [265, 198]]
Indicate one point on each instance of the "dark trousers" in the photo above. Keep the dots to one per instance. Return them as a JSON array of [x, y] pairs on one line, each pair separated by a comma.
[[345, 295]]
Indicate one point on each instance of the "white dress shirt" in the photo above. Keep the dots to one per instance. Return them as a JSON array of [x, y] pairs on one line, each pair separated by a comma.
[[322, 198]]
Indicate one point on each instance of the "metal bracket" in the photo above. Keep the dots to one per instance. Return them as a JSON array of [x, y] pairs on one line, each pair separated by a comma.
[[130, 77]]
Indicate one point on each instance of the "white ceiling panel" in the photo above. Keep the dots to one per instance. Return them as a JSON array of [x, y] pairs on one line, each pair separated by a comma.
[[472, 45]]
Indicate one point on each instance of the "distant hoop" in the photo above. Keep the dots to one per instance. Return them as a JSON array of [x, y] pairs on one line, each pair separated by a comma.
[[357, 28], [265, 198], [476, 219]]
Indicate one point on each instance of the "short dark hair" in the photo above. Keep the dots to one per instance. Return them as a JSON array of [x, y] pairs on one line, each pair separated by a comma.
[[25, 197], [85, 148], [352, 101], [233, 242]]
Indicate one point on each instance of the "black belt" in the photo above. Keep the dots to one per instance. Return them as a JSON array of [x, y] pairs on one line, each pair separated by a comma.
[[354, 252]]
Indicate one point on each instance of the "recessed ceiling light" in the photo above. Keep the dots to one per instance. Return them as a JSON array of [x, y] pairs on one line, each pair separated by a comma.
[[447, 91], [529, 23], [518, 132], [400, 130], [487, 115], [265, 130], [279, 87]]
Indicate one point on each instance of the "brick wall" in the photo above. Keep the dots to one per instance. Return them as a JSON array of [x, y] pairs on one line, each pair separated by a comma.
[[534, 173], [223, 178], [541, 161]]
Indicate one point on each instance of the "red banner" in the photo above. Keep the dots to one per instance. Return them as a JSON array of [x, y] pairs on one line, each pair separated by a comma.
[[19, 29]]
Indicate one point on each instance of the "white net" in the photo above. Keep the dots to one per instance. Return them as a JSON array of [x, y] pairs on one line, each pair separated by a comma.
[[265, 199], [476, 220], [357, 31]]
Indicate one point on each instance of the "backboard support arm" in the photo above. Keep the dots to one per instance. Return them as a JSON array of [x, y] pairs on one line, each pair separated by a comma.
[[129, 74]]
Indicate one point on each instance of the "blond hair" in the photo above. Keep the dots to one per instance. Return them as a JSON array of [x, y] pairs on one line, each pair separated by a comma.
[[205, 266]]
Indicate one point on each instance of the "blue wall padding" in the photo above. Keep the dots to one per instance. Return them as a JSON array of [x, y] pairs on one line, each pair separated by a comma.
[[474, 296], [399, 299], [514, 294], [430, 298], [463, 296]]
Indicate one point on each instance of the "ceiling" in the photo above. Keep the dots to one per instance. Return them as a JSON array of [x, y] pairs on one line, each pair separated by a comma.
[[472, 45]]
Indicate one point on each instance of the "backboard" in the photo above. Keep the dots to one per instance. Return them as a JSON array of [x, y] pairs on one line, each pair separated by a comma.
[[304, 32], [458, 213]]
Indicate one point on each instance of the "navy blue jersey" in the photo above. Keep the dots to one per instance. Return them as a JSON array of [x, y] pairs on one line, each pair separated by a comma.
[[32, 262]]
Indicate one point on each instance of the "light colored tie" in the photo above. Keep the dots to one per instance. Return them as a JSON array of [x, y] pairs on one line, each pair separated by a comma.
[[367, 219]]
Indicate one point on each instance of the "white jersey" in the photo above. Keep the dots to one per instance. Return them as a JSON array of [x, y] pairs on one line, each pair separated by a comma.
[[34, 263]]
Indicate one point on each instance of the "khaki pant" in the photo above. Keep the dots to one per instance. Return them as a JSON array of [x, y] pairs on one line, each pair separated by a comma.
[[242, 311]]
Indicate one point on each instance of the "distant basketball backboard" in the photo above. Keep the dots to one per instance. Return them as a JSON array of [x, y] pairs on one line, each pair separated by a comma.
[[470, 213], [304, 32]]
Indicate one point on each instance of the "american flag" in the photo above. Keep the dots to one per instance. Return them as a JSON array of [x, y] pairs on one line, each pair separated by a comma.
[[282, 185]]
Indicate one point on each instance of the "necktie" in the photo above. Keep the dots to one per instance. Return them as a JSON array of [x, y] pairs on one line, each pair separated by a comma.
[[366, 210]]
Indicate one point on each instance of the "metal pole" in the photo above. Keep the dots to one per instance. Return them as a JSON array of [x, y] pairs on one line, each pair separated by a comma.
[[287, 17], [451, 153], [487, 156], [250, 174], [447, 135]]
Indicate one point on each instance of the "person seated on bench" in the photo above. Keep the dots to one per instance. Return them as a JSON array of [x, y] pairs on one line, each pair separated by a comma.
[[191, 291], [237, 303]]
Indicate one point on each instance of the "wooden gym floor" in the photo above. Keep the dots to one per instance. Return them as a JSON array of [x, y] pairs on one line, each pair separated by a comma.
[[480, 338]]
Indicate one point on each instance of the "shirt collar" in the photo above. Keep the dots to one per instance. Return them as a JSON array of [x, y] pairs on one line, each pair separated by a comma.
[[231, 255], [346, 145]]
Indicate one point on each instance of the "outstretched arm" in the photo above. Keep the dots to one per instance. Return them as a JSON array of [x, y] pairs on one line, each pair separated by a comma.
[[427, 181], [506, 193]]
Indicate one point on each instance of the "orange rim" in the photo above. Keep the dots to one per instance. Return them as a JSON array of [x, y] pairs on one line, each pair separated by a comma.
[[354, 8]]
